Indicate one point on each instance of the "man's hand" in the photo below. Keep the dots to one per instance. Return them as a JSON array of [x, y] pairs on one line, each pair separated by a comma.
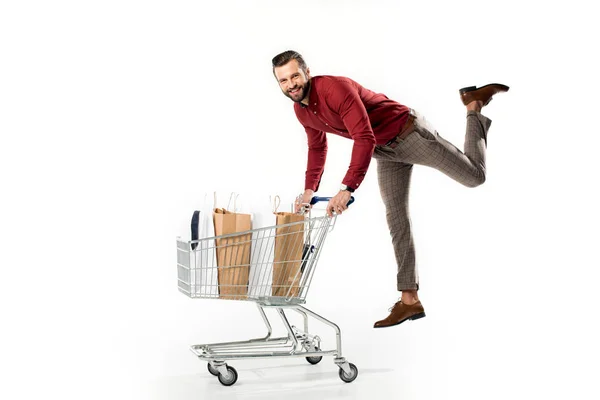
[[303, 199], [338, 203]]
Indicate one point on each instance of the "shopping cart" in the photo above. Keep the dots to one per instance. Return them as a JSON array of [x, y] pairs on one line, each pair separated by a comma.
[[273, 267]]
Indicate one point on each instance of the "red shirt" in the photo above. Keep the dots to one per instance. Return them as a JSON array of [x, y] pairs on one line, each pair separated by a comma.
[[341, 106]]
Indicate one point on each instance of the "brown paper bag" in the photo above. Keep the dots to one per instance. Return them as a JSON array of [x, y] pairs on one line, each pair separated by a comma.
[[289, 242], [233, 253]]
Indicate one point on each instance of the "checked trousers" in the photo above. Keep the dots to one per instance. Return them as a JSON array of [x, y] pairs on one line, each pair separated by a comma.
[[424, 146]]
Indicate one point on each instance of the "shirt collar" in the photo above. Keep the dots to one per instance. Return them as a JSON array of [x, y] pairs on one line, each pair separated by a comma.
[[312, 95]]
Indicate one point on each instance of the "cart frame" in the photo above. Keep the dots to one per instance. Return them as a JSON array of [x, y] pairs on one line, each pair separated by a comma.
[[197, 280]]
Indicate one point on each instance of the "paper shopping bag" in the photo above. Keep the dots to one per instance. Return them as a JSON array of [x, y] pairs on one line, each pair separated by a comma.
[[289, 243], [203, 274], [233, 253], [263, 245]]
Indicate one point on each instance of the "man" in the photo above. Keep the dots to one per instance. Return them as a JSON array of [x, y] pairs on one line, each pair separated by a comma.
[[397, 137]]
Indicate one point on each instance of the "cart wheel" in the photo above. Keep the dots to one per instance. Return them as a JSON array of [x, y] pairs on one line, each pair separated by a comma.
[[351, 376], [212, 370], [230, 378], [315, 359]]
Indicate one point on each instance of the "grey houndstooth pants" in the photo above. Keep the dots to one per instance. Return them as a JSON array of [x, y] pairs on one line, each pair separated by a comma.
[[424, 146]]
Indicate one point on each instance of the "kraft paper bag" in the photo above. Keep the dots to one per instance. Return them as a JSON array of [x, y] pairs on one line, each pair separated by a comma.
[[233, 253], [289, 244]]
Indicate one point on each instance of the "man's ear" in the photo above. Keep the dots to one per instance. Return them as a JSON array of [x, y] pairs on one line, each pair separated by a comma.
[[307, 73]]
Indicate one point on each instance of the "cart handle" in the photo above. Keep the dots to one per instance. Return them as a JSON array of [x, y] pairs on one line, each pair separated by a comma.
[[317, 199]]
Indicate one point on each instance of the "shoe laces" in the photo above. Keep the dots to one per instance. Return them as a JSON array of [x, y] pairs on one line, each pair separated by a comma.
[[395, 304]]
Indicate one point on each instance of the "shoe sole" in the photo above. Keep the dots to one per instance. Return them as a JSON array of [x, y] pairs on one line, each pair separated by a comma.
[[472, 88], [412, 318]]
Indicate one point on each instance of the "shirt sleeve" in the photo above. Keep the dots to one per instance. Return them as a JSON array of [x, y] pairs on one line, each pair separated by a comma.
[[317, 153], [344, 99]]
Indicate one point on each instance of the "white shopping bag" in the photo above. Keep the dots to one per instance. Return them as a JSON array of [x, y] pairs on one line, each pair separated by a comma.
[[204, 262], [263, 245]]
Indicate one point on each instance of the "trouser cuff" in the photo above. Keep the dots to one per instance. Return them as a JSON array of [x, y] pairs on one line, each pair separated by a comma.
[[407, 286], [485, 121]]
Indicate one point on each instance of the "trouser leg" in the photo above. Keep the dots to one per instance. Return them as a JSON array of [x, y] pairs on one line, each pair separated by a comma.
[[426, 147], [394, 184]]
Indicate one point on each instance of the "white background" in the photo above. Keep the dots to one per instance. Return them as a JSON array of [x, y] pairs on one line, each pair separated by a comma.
[[116, 117]]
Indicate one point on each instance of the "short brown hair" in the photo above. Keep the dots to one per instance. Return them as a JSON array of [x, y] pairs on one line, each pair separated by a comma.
[[286, 57]]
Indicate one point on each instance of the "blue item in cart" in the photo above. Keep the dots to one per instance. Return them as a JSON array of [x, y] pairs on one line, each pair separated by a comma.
[[306, 252], [195, 223]]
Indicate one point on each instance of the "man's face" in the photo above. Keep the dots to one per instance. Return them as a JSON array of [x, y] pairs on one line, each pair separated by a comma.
[[293, 81]]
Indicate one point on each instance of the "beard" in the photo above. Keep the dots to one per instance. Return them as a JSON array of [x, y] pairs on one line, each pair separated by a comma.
[[298, 97]]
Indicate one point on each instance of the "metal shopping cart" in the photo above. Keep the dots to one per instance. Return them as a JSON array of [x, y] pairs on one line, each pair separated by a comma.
[[273, 267]]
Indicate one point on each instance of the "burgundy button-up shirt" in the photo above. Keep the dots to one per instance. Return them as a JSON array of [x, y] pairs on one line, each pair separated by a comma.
[[341, 106]]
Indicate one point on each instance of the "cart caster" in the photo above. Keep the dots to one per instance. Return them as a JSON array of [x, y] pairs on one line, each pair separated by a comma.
[[212, 370], [314, 359], [351, 376], [230, 378]]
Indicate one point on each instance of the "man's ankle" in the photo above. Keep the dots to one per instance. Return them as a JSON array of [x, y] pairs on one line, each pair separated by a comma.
[[475, 106], [409, 297]]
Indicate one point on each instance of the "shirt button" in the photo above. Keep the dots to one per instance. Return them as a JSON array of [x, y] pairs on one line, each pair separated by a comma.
[[315, 112], [326, 123]]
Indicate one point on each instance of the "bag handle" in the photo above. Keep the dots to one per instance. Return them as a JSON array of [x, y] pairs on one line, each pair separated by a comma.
[[234, 196], [275, 202]]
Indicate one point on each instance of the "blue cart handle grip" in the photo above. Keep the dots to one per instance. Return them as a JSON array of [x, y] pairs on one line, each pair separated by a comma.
[[317, 199]]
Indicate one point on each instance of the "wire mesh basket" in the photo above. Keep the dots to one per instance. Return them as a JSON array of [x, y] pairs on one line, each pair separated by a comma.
[[270, 265]]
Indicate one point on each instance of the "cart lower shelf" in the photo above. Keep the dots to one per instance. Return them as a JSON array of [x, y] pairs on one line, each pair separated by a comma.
[[298, 343]]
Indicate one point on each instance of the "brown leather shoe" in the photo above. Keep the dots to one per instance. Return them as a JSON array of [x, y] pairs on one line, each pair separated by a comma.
[[400, 313], [484, 93]]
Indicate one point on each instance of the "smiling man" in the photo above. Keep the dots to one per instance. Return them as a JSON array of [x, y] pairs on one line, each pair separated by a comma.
[[397, 137]]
